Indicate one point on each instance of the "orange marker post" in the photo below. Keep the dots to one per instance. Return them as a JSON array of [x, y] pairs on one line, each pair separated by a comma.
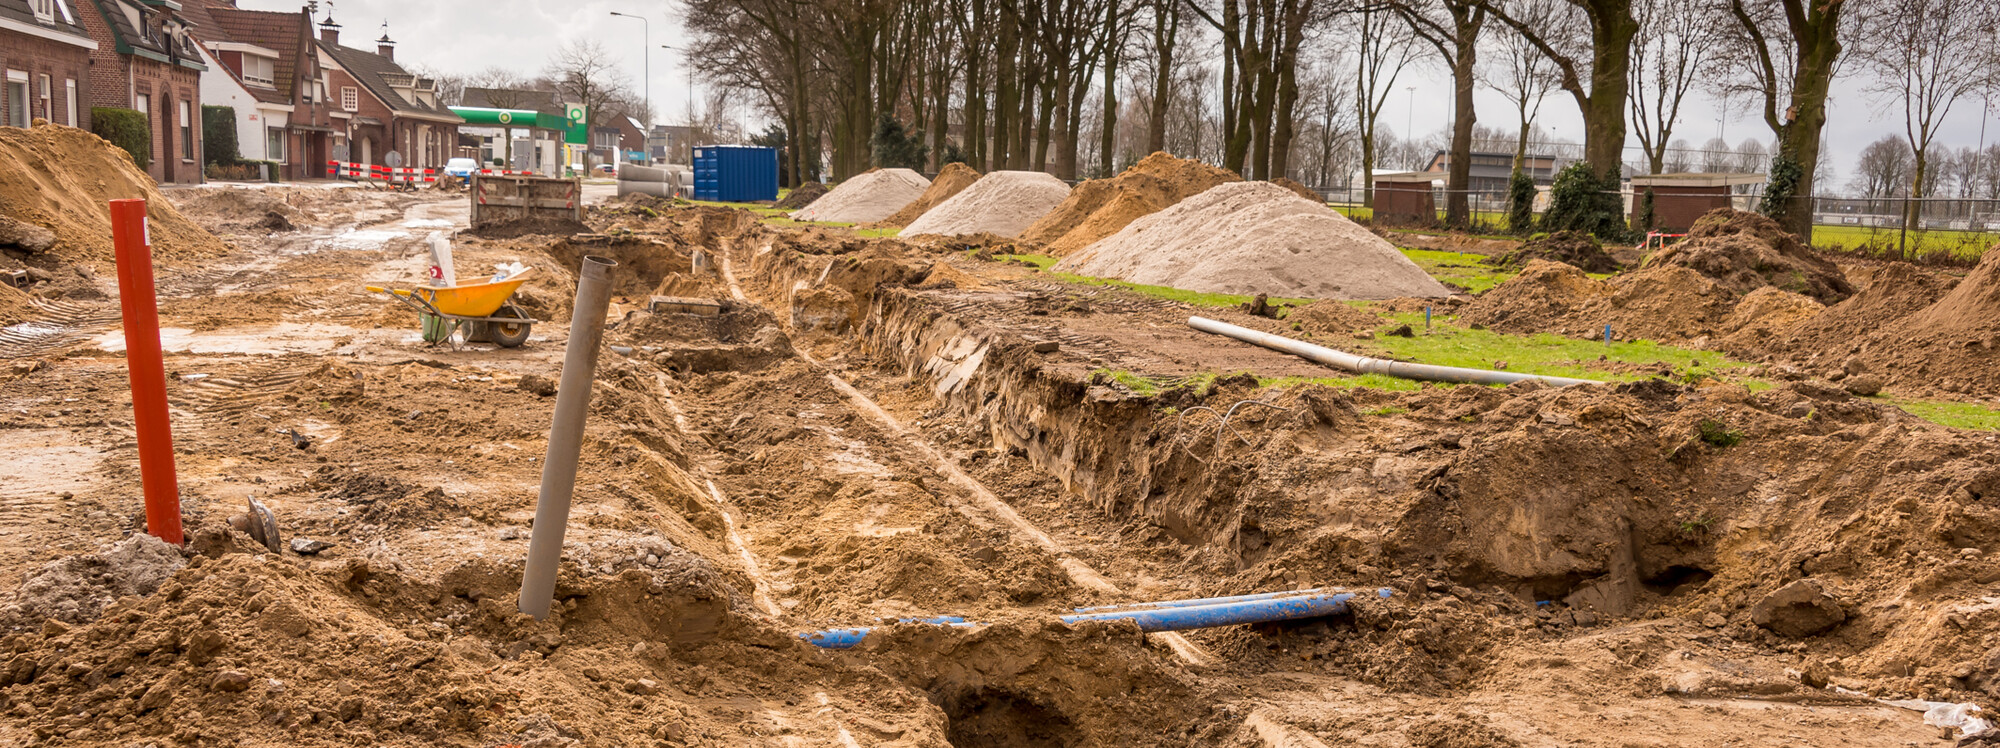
[[148, 370]]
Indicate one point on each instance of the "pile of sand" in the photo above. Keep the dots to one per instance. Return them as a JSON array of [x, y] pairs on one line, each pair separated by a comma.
[[1100, 207], [1919, 332], [1576, 248], [61, 178], [1672, 304], [1746, 251], [1255, 237], [950, 181], [74, 589], [1003, 203], [867, 197], [1765, 315], [801, 196]]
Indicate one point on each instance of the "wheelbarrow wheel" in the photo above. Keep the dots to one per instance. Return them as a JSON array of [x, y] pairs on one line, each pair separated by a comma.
[[509, 334]]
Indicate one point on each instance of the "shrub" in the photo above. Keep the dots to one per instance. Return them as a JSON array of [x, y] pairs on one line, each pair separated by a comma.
[[1580, 200], [1520, 202], [126, 129], [896, 147], [1646, 218], [218, 134]]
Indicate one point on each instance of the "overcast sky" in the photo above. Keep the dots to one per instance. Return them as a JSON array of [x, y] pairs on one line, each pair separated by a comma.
[[466, 36]]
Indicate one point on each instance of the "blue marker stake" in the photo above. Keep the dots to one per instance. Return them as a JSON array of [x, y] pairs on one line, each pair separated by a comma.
[[1607, 335]]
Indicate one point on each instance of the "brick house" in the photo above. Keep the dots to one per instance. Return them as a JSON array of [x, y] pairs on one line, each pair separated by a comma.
[[379, 108], [303, 137], [146, 60], [45, 61], [245, 76]]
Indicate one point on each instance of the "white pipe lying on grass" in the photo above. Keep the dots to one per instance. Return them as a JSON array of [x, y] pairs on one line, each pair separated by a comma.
[[1365, 365]]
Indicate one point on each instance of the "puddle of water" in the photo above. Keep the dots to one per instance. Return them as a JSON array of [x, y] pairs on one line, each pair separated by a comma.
[[427, 223], [357, 239]]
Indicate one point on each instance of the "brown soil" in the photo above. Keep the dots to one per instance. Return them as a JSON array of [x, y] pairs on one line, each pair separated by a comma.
[[950, 181], [60, 178], [1575, 248], [1668, 304], [1299, 189], [1922, 333], [801, 196], [1746, 251], [1766, 316], [14, 306], [1100, 207]]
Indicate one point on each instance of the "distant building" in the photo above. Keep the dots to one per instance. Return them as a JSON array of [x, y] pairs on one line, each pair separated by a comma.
[[270, 58], [146, 60], [523, 143], [45, 58], [670, 144], [380, 108], [1492, 171]]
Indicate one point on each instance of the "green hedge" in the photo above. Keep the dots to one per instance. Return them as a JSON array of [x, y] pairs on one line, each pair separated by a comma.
[[126, 129], [218, 133]]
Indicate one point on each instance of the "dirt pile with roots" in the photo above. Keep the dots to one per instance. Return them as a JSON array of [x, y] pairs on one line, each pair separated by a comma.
[[1746, 251], [1101, 207], [1575, 248], [950, 181], [802, 196], [60, 178]]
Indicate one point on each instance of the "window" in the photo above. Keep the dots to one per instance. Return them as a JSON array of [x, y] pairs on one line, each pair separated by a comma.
[[274, 144], [48, 100], [45, 10], [187, 131], [350, 99], [144, 104], [16, 99], [257, 70], [69, 96]]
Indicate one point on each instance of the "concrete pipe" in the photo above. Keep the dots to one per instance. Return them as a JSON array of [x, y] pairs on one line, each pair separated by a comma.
[[1365, 365], [586, 333], [1177, 615]]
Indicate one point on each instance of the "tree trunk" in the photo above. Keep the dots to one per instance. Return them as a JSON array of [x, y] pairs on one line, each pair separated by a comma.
[[1604, 108], [1107, 141], [1458, 183], [1166, 28], [1799, 127]]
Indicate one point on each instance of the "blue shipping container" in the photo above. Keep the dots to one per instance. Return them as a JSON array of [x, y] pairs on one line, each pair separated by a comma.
[[735, 173]]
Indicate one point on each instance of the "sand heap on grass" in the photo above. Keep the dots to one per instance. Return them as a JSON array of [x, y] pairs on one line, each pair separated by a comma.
[[1003, 204], [60, 178], [801, 196], [950, 181], [1100, 207], [867, 197], [1255, 237], [1746, 251]]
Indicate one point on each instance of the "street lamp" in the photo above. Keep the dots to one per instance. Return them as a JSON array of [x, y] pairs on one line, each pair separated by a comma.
[[1410, 116], [647, 56]]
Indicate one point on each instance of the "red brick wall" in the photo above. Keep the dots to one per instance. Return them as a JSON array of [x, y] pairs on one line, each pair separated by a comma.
[[60, 62], [338, 79], [116, 80]]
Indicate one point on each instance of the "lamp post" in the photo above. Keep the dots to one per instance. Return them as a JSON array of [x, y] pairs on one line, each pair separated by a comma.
[[647, 57]]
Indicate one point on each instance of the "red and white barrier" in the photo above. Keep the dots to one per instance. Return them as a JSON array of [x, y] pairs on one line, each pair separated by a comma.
[[350, 170]]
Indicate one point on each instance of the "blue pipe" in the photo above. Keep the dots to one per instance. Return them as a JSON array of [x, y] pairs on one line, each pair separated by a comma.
[[1173, 615]]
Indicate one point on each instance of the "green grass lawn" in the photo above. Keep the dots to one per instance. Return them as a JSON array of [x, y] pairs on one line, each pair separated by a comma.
[[1463, 269], [1964, 245]]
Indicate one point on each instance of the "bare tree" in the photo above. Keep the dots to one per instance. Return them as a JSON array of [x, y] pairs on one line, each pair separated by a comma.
[[1717, 156], [1752, 156], [1452, 27], [1523, 75], [585, 73], [1883, 170], [1667, 57], [1679, 157], [1783, 55], [1596, 77], [1924, 56], [1384, 50], [505, 88]]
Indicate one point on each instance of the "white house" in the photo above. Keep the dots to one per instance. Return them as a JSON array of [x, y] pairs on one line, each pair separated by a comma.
[[262, 112]]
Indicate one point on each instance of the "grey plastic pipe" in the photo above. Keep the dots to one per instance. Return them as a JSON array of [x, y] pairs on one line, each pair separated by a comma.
[[1365, 365], [586, 332]]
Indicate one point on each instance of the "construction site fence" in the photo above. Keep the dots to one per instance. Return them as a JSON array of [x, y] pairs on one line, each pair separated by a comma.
[[355, 172]]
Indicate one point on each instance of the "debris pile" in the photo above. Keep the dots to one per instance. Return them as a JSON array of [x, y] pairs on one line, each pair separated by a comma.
[[1251, 238], [1003, 204], [1577, 248], [1100, 207], [1747, 251], [867, 197], [950, 181], [801, 196], [61, 178]]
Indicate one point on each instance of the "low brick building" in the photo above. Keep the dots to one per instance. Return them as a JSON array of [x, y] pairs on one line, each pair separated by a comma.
[[147, 60], [44, 63], [379, 108]]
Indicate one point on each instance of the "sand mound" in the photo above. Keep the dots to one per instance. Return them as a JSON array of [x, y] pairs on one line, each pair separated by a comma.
[[1100, 207], [1332, 318], [867, 197], [74, 589], [1568, 247], [1952, 344], [1669, 304], [1003, 203], [801, 196], [60, 178], [1255, 237], [1888, 294], [1746, 251], [1299, 189], [950, 181]]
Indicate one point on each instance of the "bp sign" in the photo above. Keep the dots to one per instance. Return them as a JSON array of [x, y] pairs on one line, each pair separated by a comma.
[[506, 118]]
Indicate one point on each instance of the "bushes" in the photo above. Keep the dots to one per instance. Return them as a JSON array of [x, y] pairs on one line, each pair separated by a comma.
[[126, 129], [218, 133], [1581, 200], [1520, 202], [896, 147]]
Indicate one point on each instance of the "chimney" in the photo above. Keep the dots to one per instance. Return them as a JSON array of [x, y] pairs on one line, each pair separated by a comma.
[[329, 32], [385, 46]]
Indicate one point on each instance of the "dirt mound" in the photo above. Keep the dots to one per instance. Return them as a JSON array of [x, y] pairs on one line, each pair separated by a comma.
[[1574, 248], [802, 196], [867, 197], [1952, 344], [1300, 189], [1666, 304], [1251, 238], [14, 306], [240, 208], [1332, 318], [60, 178], [76, 588], [521, 227], [1747, 251], [1766, 315], [950, 181], [1887, 295], [1003, 203], [1100, 207]]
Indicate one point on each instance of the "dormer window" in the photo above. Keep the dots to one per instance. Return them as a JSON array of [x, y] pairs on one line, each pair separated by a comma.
[[45, 11], [259, 71]]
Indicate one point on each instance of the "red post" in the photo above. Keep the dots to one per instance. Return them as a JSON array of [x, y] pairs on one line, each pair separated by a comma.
[[134, 243]]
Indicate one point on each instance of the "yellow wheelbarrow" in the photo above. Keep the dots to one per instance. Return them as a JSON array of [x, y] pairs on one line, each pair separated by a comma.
[[482, 311]]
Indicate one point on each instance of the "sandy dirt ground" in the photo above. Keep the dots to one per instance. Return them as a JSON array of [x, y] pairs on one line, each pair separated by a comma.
[[873, 430]]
